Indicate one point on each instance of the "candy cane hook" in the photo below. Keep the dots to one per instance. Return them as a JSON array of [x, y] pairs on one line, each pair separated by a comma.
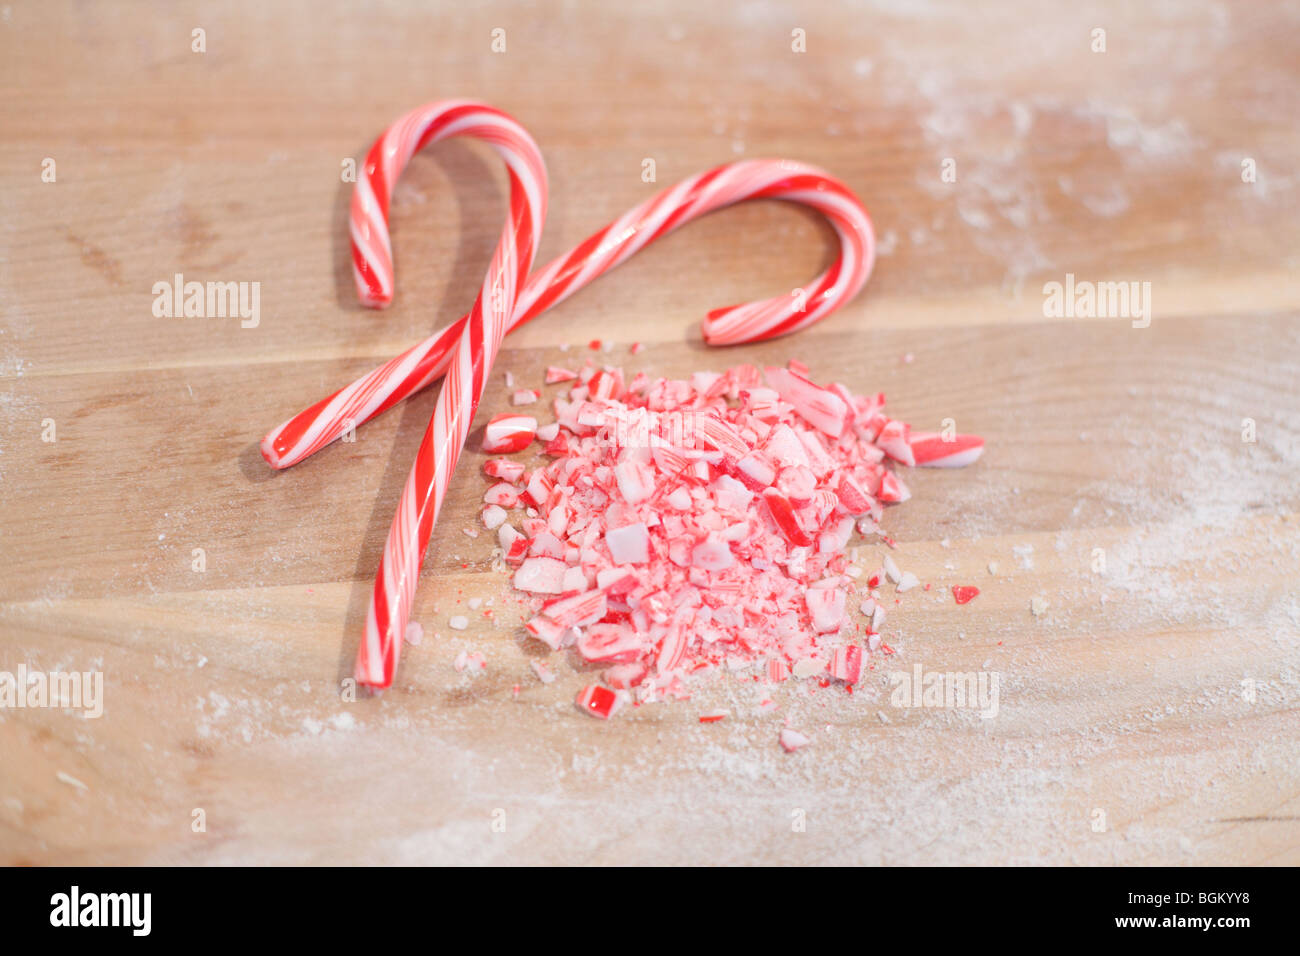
[[372, 247]]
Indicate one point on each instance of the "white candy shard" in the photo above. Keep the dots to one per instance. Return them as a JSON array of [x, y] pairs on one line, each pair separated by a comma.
[[629, 544], [792, 740], [540, 576]]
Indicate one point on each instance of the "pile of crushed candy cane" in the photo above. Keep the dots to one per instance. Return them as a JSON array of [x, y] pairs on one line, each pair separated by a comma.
[[683, 525], [678, 525]]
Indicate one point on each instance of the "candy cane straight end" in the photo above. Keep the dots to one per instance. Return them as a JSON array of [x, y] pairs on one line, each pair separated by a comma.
[[371, 294], [280, 449], [376, 658], [372, 262], [271, 453], [372, 677]]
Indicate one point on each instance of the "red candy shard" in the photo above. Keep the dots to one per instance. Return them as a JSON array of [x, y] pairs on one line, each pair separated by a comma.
[[787, 522], [853, 497], [517, 550], [820, 407], [846, 663], [509, 433], [597, 701], [578, 610], [547, 631], [893, 441], [964, 593], [892, 490], [932, 450], [777, 670]]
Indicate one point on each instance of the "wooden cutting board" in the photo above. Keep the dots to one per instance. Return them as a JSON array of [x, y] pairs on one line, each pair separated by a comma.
[[1147, 714]]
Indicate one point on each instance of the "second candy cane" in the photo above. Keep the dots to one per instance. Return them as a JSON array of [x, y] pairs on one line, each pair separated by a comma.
[[466, 378]]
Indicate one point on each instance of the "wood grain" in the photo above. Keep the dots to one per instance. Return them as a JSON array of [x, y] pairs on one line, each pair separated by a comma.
[[222, 687]]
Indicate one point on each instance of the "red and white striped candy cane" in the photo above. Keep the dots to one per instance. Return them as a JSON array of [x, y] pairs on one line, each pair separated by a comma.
[[315, 427], [372, 248], [467, 372]]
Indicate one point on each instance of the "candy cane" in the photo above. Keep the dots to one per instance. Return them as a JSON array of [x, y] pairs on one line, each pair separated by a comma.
[[467, 375], [444, 439], [314, 428]]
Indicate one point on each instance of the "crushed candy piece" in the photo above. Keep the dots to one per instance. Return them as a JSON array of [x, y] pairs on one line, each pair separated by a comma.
[[846, 664], [629, 544], [932, 450], [792, 740], [509, 433], [471, 661], [541, 575], [597, 701], [543, 672]]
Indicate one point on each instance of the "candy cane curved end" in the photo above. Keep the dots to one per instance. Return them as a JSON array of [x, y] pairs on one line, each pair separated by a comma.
[[372, 248], [784, 315]]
